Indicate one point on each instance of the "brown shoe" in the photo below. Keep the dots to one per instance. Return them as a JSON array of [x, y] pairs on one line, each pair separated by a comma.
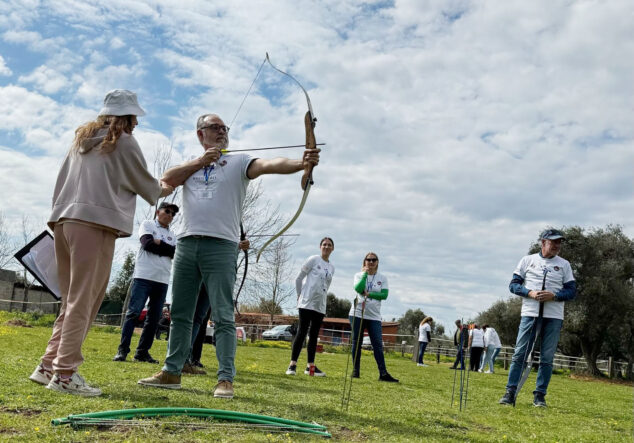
[[224, 389], [188, 368], [162, 380]]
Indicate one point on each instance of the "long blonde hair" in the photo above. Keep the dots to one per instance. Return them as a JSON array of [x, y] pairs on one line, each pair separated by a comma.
[[116, 126], [426, 320]]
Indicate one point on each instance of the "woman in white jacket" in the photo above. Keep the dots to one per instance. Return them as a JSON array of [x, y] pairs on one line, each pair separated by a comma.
[[492, 346], [312, 285]]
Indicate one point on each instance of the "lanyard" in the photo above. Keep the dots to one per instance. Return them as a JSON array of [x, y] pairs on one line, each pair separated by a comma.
[[208, 169], [368, 285]]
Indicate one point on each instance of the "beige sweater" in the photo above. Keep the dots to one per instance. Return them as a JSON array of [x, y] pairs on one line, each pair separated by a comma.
[[101, 188]]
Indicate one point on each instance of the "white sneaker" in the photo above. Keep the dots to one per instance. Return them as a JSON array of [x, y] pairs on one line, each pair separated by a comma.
[[479, 370], [419, 364], [41, 375], [488, 372], [74, 385]]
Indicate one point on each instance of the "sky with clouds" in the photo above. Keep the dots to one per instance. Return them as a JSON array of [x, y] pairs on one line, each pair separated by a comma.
[[456, 130]]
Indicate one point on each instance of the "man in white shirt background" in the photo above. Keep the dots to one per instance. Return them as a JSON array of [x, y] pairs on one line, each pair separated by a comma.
[[545, 282], [150, 281]]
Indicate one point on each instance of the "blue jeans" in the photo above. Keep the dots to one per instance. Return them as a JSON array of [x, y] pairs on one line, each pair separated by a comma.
[[459, 357], [422, 345], [489, 357], [549, 336], [376, 338], [140, 291], [210, 261]]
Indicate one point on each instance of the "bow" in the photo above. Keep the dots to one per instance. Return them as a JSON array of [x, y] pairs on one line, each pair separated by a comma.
[[243, 236], [307, 178], [530, 346]]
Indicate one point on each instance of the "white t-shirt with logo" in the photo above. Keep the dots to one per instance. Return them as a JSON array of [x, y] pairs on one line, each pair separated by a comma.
[[213, 197], [531, 268], [315, 288], [150, 266], [422, 332], [373, 283]]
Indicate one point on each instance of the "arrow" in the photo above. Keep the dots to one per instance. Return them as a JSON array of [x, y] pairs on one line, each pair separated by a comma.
[[226, 151]]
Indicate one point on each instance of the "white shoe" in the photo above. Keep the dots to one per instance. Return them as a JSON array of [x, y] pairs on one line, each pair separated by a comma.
[[479, 370], [41, 375], [422, 364], [488, 372], [74, 385]]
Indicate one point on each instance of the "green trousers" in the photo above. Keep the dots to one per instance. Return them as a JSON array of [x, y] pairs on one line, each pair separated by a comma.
[[210, 261]]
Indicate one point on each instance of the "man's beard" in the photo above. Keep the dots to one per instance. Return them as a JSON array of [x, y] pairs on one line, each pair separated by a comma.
[[224, 144]]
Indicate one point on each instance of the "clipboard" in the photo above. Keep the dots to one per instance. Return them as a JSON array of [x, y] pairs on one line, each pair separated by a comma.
[[38, 257]]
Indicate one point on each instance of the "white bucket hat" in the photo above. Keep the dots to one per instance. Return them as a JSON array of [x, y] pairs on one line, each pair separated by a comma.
[[121, 102]]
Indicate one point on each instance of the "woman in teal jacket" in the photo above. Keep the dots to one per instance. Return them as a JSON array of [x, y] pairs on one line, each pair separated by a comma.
[[371, 288]]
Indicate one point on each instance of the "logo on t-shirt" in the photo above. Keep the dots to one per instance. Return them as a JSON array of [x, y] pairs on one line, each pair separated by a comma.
[[378, 283], [222, 163], [556, 268], [318, 266]]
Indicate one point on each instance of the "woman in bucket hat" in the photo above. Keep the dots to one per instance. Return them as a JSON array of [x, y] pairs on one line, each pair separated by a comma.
[[93, 204]]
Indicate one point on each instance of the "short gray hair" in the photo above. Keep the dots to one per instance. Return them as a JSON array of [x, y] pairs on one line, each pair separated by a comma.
[[201, 120]]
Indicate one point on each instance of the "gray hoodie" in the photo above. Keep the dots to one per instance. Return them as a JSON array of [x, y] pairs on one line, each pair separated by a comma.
[[101, 188]]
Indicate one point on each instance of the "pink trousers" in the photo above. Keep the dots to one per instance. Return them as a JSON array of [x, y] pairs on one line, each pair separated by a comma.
[[84, 259]]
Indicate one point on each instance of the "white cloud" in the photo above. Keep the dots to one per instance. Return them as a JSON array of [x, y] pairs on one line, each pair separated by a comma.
[[46, 80], [4, 69], [456, 130]]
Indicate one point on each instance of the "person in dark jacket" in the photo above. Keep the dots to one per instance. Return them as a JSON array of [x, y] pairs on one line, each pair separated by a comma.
[[460, 341]]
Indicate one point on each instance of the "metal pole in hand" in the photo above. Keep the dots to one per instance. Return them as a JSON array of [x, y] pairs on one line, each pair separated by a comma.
[[345, 375]]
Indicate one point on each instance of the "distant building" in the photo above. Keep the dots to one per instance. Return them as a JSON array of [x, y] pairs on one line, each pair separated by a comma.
[[333, 330], [14, 296]]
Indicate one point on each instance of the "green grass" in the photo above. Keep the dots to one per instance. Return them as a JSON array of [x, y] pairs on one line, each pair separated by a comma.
[[417, 409]]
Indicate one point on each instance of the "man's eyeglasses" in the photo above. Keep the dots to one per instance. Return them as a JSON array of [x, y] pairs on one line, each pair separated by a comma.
[[372, 260], [170, 212], [216, 127]]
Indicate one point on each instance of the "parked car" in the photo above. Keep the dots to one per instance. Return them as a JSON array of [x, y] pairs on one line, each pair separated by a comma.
[[279, 332]]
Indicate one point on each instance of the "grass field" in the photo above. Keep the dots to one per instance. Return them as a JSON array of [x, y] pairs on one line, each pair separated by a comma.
[[417, 409]]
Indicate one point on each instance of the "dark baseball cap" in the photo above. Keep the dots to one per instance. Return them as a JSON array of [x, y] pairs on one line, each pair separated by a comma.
[[552, 234], [172, 206]]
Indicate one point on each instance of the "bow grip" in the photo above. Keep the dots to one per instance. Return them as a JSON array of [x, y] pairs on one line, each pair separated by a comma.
[[309, 125]]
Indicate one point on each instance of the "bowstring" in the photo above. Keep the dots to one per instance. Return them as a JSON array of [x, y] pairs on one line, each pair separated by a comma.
[[248, 91]]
